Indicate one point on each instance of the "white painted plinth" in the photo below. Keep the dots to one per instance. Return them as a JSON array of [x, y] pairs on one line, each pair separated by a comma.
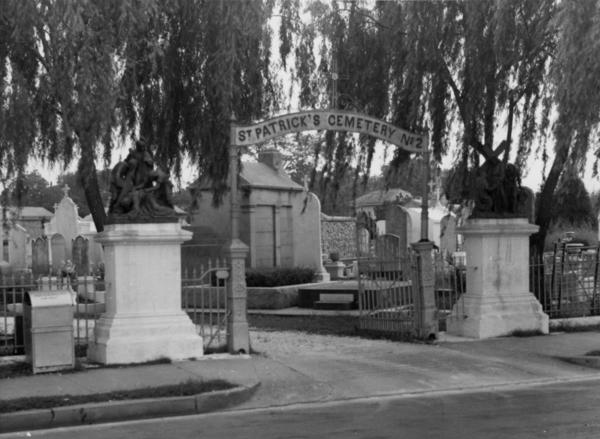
[[498, 301], [143, 319]]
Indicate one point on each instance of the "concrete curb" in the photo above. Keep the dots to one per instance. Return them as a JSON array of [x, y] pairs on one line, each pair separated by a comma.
[[592, 361], [96, 413]]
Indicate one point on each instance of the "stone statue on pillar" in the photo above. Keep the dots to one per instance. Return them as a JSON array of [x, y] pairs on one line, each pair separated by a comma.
[[140, 192]]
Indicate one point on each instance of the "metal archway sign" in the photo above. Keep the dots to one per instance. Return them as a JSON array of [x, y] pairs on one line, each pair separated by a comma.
[[331, 120]]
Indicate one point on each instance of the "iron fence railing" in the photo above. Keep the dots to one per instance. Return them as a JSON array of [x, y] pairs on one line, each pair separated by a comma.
[[565, 281], [450, 285], [203, 298], [386, 297]]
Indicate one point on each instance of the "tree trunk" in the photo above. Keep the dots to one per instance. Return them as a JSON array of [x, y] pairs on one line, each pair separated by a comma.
[[88, 178], [544, 213]]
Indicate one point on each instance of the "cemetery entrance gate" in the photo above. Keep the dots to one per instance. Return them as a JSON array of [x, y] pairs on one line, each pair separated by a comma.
[[387, 277], [394, 295]]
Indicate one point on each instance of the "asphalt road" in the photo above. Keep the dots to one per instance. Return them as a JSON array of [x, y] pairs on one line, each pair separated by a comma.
[[567, 410]]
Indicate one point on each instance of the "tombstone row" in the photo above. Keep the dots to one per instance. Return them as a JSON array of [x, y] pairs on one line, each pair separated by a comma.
[[50, 256]]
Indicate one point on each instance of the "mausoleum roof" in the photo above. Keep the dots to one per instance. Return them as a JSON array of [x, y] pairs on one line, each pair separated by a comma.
[[26, 212], [260, 175], [379, 197]]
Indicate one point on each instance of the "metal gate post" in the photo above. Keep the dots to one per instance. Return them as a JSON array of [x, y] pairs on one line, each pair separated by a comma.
[[426, 311]]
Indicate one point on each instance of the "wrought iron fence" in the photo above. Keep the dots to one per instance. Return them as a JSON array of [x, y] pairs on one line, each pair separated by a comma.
[[203, 298], [386, 297], [450, 285], [566, 282]]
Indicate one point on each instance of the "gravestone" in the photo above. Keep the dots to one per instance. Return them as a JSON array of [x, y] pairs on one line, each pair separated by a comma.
[[18, 247], [398, 223], [80, 256], [388, 247], [448, 239], [364, 241], [40, 256], [58, 252], [65, 222]]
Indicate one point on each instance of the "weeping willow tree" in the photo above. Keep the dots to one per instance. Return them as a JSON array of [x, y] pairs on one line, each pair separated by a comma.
[[188, 70], [481, 64], [575, 101], [509, 79], [173, 72], [58, 87]]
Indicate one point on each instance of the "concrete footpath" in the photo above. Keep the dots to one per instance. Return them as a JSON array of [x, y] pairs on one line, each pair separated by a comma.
[[295, 368]]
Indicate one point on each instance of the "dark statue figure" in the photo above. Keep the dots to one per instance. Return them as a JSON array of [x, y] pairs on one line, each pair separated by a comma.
[[139, 191], [497, 192]]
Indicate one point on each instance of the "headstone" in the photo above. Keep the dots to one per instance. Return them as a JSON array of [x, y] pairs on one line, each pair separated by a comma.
[[80, 256], [388, 253], [65, 222], [387, 247], [307, 235], [18, 246], [397, 223], [39, 256], [364, 241], [58, 252], [448, 242]]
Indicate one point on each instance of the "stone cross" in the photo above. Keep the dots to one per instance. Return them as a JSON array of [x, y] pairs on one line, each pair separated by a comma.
[[432, 187]]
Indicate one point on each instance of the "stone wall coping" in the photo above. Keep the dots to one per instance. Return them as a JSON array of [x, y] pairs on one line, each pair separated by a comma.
[[337, 218], [498, 226], [143, 233]]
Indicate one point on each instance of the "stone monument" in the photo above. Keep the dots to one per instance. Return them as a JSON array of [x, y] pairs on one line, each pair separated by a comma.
[[143, 319], [496, 240]]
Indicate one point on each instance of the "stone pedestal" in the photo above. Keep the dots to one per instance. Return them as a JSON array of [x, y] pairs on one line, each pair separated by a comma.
[[143, 319], [335, 270], [498, 301]]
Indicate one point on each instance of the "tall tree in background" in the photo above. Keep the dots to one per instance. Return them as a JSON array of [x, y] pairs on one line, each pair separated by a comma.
[[33, 190], [172, 72], [61, 80], [572, 204], [189, 69], [175, 72], [575, 98], [501, 70], [482, 64]]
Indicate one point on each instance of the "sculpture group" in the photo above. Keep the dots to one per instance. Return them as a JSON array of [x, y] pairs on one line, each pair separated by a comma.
[[140, 192]]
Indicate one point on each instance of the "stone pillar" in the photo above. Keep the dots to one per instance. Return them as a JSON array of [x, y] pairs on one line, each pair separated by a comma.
[[238, 338], [143, 319], [426, 318], [498, 301]]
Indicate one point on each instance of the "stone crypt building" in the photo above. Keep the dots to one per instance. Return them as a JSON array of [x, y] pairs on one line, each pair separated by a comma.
[[279, 219]]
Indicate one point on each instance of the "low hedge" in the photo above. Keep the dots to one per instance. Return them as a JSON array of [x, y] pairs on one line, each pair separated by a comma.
[[277, 277]]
